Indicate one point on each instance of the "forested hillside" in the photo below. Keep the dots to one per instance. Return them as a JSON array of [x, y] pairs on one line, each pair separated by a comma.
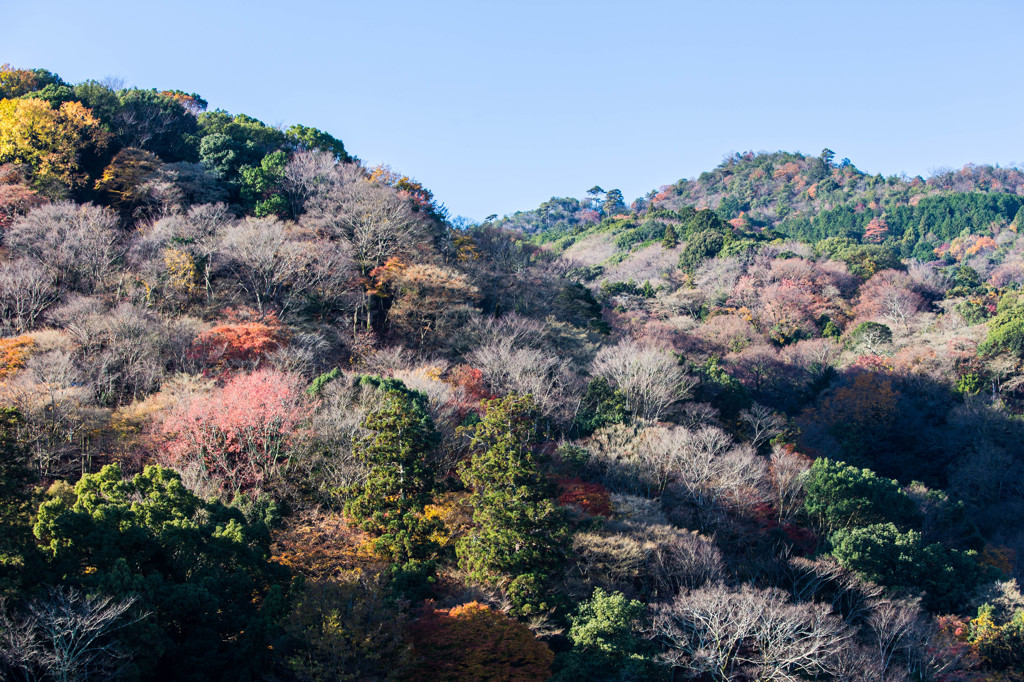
[[268, 413]]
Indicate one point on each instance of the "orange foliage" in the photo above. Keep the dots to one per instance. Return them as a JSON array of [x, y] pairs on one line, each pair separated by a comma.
[[870, 401], [17, 82], [665, 192], [470, 380], [420, 195], [474, 642], [876, 231], [970, 245], [242, 344], [323, 547], [382, 276], [189, 102], [983, 244], [593, 498], [1000, 558], [786, 171], [874, 363], [13, 354]]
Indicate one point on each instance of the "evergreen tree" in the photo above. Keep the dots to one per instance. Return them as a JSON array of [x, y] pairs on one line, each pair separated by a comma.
[[401, 478], [520, 530], [200, 569], [671, 239], [19, 559], [606, 645]]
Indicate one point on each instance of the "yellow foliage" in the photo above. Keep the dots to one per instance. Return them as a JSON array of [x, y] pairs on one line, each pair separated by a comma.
[[123, 179], [456, 513], [182, 273], [465, 248], [17, 82], [48, 141], [13, 354]]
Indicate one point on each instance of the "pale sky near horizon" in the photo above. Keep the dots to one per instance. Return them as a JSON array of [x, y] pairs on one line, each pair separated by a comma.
[[498, 106]]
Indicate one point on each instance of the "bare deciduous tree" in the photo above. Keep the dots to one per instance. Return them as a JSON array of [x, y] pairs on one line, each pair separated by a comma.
[[77, 244], [373, 218], [650, 378], [788, 470], [26, 290], [702, 467], [310, 174], [824, 580], [730, 633], [277, 266], [764, 424], [68, 636], [548, 378]]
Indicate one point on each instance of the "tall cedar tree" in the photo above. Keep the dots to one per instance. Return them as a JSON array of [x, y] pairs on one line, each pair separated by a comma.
[[19, 560], [519, 530], [390, 502], [671, 239]]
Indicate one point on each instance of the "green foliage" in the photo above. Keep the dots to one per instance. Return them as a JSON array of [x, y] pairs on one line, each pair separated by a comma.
[[200, 568], [924, 251], [699, 247], [576, 305], [721, 389], [230, 142], [610, 288], [19, 559], [260, 185], [614, 204], [401, 478], [1006, 329], [602, 406], [843, 496], [884, 554], [871, 335], [647, 232], [317, 385], [831, 330], [53, 94], [969, 384], [864, 259], [220, 154], [351, 629], [670, 240], [966, 281], [606, 646], [880, 553], [162, 125], [519, 530], [704, 220], [973, 311], [312, 139]]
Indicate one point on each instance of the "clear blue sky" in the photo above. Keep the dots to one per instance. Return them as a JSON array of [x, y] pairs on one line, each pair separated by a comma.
[[497, 106]]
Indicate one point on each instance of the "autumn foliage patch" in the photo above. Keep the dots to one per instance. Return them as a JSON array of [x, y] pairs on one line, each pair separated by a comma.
[[593, 498], [475, 642], [238, 435]]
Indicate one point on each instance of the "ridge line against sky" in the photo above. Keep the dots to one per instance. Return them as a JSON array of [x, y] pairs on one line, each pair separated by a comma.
[[497, 107]]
